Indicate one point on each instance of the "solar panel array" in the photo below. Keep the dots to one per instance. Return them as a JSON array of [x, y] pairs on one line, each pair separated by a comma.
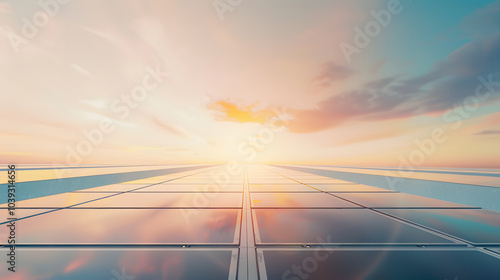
[[261, 223]]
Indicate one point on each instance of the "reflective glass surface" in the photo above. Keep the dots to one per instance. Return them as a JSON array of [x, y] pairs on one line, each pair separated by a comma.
[[297, 200], [154, 180], [169, 200], [319, 183], [387, 200], [280, 188], [311, 226], [175, 187], [271, 181], [477, 226], [114, 188], [58, 200], [128, 226], [20, 213], [322, 264], [188, 228], [348, 188], [120, 264], [323, 181], [203, 181]]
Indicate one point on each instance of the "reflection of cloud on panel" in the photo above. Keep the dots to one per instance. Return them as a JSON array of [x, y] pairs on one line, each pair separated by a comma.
[[82, 260], [137, 263], [223, 222]]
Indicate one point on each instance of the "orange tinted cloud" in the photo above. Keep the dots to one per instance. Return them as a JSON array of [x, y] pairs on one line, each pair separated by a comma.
[[229, 111]]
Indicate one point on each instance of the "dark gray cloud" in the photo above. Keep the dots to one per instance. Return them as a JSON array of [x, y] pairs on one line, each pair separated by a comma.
[[331, 73], [381, 83], [482, 22]]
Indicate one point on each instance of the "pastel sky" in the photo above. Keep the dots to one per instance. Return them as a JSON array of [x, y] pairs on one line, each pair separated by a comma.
[[368, 83]]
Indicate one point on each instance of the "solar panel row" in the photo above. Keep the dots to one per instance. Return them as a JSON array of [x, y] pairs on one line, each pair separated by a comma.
[[288, 224]]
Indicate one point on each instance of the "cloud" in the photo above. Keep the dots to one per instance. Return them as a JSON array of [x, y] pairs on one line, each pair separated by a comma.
[[168, 128], [446, 85], [226, 110], [331, 73], [482, 22], [381, 83], [488, 132]]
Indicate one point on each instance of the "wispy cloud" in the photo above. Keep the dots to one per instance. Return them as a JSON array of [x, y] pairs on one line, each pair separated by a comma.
[[168, 128], [488, 132]]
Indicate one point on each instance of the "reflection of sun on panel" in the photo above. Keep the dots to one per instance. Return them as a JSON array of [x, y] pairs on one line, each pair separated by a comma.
[[72, 198], [151, 180], [83, 260], [298, 200]]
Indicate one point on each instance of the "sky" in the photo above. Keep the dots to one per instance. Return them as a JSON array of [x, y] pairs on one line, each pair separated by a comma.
[[357, 83]]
